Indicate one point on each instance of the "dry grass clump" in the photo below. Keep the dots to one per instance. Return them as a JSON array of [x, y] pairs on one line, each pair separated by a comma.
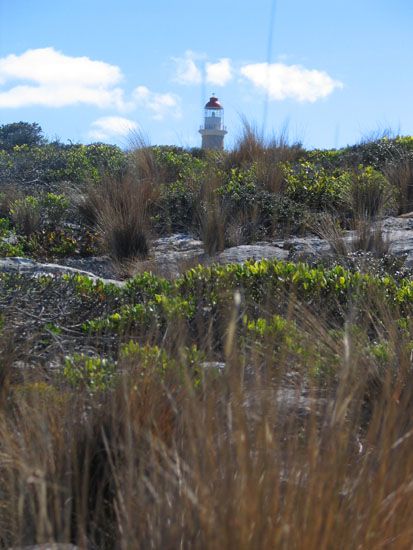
[[366, 236], [267, 155], [231, 220], [141, 160], [239, 461], [400, 175], [252, 146], [25, 213], [210, 215], [369, 238], [213, 227], [370, 195], [118, 208]]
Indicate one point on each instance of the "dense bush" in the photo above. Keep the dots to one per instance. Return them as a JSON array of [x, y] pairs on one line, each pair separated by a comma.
[[317, 187], [10, 245], [377, 153], [53, 163], [20, 133]]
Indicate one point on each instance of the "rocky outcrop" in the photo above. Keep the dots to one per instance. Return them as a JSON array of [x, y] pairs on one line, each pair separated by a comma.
[[257, 251], [173, 254], [27, 266]]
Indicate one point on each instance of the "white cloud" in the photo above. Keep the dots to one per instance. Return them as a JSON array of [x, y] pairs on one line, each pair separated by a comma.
[[187, 71], [158, 104], [111, 126], [219, 73], [47, 77], [282, 81]]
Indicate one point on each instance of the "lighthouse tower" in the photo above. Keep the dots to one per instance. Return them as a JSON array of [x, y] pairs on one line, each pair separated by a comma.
[[213, 131]]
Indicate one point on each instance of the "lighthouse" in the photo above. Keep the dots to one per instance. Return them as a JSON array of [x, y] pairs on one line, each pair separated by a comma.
[[213, 130]]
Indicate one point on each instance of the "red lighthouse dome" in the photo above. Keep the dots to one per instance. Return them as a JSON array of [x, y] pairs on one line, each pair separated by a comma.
[[213, 103]]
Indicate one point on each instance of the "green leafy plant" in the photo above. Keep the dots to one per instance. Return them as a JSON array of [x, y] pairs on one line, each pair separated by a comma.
[[315, 186], [95, 373], [54, 209], [10, 243]]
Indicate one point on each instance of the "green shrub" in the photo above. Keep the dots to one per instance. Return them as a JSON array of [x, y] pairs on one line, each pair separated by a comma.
[[154, 359], [176, 206], [96, 373], [257, 211], [52, 243], [175, 164], [54, 208], [377, 153], [10, 244], [39, 166], [315, 186], [278, 340], [180, 176], [145, 356]]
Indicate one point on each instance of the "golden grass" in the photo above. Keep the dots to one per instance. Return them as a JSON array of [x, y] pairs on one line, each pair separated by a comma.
[[245, 460]]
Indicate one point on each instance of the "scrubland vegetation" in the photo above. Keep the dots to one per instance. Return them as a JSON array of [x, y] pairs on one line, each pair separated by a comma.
[[262, 405]]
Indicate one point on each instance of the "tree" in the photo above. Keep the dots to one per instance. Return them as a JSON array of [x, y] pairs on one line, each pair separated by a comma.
[[21, 133]]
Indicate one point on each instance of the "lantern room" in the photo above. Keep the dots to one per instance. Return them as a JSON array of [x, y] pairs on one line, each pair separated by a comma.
[[213, 130]]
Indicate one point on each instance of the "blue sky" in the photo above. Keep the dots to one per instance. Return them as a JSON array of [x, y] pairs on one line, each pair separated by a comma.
[[330, 71]]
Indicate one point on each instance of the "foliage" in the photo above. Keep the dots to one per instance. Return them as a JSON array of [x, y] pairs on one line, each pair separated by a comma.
[[148, 359], [179, 306], [52, 243], [54, 208], [315, 186], [146, 356], [329, 159], [260, 212], [20, 133], [180, 177], [276, 338], [53, 162], [176, 207], [10, 245], [89, 163], [377, 153], [94, 372], [44, 210], [175, 164]]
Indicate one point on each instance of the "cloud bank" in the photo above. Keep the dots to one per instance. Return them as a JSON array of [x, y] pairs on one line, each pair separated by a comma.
[[281, 81], [111, 126], [46, 77], [49, 78]]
